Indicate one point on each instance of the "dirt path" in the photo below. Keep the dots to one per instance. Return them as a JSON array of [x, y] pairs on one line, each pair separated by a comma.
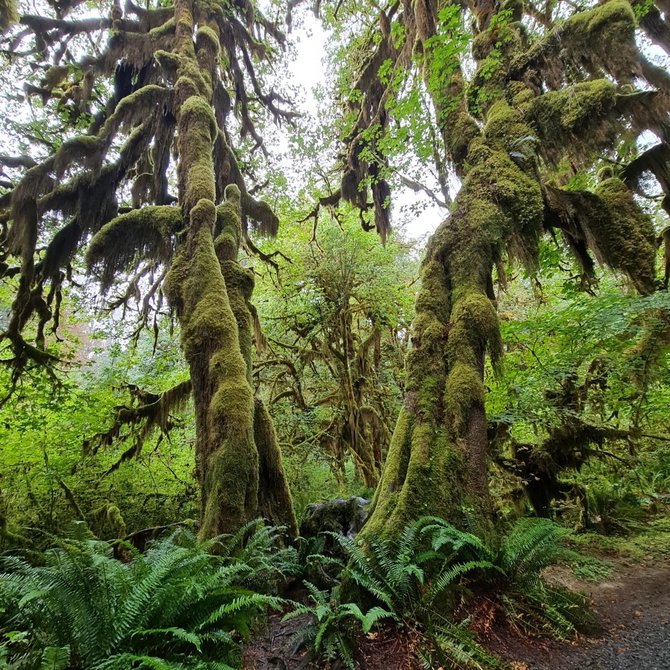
[[633, 608]]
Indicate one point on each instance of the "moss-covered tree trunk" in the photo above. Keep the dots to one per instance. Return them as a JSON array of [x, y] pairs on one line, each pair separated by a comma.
[[209, 291], [437, 463], [274, 497]]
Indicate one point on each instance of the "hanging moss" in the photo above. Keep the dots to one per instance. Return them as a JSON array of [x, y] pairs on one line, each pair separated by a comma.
[[139, 235], [625, 239], [599, 40], [611, 224], [603, 38], [577, 121], [60, 250], [643, 358]]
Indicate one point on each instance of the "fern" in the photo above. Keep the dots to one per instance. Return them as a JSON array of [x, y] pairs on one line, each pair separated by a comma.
[[55, 658], [531, 545], [333, 625], [175, 606]]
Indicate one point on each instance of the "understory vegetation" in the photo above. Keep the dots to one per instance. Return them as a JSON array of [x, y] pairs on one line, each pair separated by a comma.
[[382, 364]]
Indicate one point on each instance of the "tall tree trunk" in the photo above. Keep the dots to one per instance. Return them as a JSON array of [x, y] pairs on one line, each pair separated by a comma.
[[437, 461], [209, 291], [274, 496]]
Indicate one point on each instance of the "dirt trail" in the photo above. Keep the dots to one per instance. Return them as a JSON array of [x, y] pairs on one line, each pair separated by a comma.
[[633, 608]]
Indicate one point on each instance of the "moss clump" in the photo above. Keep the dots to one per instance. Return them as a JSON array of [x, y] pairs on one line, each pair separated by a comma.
[[577, 121], [463, 391], [228, 227], [624, 238], [505, 125], [474, 329], [197, 132], [459, 135], [501, 205], [493, 50], [139, 235], [207, 40], [186, 73], [600, 40], [603, 38], [610, 223]]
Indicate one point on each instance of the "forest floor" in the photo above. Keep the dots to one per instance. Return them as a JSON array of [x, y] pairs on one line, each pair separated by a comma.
[[628, 586], [632, 607]]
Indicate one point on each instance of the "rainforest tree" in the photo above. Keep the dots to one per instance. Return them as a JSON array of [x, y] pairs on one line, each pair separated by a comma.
[[525, 97], [136, 163], [336, 341]]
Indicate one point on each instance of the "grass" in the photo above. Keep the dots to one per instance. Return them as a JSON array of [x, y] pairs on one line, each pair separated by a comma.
[[648, 543]]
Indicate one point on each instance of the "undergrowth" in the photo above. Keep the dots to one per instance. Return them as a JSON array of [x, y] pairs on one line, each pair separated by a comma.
[[423, 579], [180, 604]]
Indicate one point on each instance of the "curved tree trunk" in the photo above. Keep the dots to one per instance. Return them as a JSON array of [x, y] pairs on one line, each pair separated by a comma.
[[210, 292], [437, 461]]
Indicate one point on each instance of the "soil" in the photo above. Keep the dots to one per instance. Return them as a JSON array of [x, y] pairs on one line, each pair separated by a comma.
[[632, 607]]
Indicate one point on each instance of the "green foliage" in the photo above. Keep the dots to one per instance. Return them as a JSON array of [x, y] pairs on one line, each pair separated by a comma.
[[176, 605], [333, 371], [332, 627], [414, 578], [52, 470]]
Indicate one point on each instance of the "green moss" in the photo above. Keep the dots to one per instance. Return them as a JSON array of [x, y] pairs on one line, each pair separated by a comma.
[[208, 40], [463, 391], [187, 74], [229, 232], [227, 452], [274, 496], [603, 38], [427, 466], [505, 126], [231, 483], [141, 234], [501, 205], [197, 132], [577, 121], [166, 28], [609, 220], [625, 238], [474, 328], [493, 50]]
